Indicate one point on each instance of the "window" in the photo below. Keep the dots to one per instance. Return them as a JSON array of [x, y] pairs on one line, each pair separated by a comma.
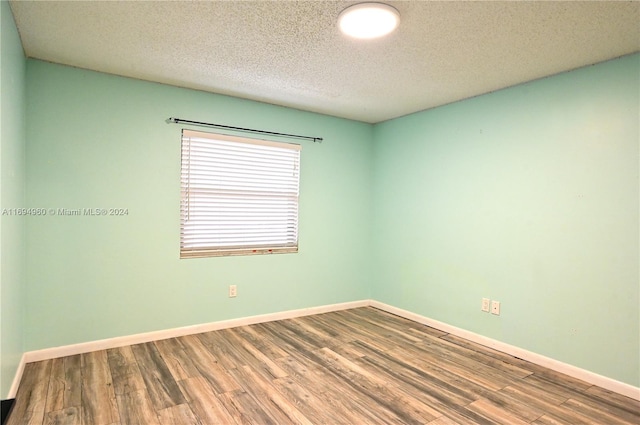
[[239, 196]]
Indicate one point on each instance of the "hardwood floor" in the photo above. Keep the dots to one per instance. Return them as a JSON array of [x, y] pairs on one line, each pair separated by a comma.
[[359, 366]]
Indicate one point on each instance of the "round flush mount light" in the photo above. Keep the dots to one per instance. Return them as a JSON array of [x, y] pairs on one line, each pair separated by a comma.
[[368, 20]]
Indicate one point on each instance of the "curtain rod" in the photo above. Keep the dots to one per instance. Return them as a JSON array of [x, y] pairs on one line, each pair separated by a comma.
[[173, 120]]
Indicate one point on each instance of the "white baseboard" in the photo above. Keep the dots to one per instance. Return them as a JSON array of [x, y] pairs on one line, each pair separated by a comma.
[[16, 379], [86, 347], [558, 366], [103, 344]]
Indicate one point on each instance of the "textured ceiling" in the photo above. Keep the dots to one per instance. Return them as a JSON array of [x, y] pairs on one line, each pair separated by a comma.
[[291, 53]]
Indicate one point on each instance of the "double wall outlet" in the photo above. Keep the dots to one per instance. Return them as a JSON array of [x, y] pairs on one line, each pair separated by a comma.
[[490, 306], [233, 291], [485, 304]]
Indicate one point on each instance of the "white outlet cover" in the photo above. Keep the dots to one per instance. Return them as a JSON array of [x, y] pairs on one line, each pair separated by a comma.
[[495, 307], [485, 305]]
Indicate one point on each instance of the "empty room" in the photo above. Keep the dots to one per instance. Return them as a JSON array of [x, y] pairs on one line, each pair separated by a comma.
[[319, 212]]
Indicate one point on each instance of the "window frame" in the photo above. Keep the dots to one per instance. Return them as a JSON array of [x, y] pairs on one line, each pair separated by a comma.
[[270, 194]]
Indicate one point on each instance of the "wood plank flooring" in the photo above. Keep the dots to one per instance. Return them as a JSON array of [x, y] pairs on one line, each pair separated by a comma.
[[359, 366]]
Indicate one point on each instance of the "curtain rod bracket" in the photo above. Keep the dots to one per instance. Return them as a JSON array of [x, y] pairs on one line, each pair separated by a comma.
[[172, 120]]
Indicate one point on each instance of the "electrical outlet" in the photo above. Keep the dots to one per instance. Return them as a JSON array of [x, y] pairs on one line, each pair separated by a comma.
[[485, 305], [233, 291], [495, 307]]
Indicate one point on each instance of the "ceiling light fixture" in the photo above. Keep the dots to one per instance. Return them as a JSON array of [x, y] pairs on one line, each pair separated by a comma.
[[368, 20]]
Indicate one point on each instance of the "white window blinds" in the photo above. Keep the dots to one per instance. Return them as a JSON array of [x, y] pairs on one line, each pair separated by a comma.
[[238, 196]]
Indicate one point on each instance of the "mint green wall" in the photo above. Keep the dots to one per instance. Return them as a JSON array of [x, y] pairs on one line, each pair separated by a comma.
[[529, 196], [12, 183], [96, 140]]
